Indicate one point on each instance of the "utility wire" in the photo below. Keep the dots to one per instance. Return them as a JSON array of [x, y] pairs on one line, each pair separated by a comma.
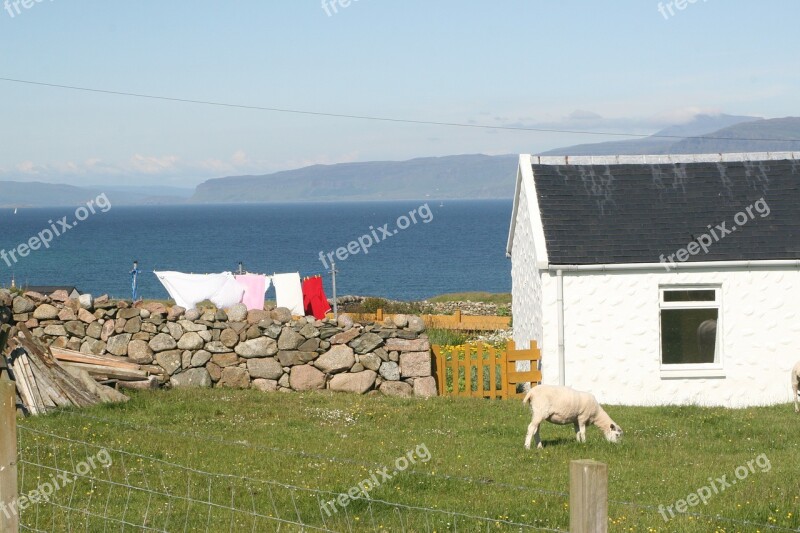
[[378, 118]]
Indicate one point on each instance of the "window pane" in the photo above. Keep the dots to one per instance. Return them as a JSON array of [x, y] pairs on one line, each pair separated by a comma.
[[688, 336], [708, 295]]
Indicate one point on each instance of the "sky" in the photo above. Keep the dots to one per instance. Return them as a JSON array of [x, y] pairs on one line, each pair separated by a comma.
[[632, 66]]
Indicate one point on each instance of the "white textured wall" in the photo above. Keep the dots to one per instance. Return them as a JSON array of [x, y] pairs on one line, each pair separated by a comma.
[[612, 337], [525, 280]]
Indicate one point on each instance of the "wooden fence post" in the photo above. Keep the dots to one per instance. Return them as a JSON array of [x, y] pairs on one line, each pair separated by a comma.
[[9, 519], [588, 497]]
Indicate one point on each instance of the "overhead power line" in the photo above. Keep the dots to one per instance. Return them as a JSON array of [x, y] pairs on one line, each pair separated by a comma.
[[378, 118]]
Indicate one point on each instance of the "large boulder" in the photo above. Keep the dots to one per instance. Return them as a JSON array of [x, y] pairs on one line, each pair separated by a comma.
[[86, 301], [259, 347], [281, 315], [415, 324], [170, 360], [390, 371], [237, 313], [366, 343], [415, 364], [162, 342], [190, 341], [425, 387], [345, 336], [229, 337], [404, 345], [338, 359], [265, 385], [306, 377], [290, 339], [396, 388], [224, 360], [118, 344], [55, 330], [139, 352], [359, 382], [192, 378], [370, 361], [22, 305], [86, 316], [200, 358], [45, 312], [76, 328], [295, 357], [234, 377], [266, 368]]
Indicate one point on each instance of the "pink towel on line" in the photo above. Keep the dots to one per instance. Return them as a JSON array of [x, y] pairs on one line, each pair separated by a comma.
[[255, 286]]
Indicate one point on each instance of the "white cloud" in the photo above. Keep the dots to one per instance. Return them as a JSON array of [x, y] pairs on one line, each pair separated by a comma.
[[153, 164]]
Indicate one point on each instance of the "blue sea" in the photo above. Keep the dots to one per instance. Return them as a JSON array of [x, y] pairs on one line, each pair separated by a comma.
[[460, 248]]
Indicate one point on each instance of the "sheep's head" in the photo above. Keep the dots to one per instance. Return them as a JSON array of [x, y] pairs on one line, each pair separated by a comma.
[[614, 433]]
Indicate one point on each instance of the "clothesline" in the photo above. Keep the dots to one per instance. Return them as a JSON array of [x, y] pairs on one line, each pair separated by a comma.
[[227, 289]]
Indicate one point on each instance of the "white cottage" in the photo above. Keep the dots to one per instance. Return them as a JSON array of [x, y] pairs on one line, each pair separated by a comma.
[[652, 280]]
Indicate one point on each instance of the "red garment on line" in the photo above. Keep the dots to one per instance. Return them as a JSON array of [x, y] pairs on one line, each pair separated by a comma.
[[314, 300]]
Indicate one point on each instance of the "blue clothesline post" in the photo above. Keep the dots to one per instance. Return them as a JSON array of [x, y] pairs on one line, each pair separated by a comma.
[[135, 281]]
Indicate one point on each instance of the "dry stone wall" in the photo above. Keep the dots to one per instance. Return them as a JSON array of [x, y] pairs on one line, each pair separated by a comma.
[[265, 350]]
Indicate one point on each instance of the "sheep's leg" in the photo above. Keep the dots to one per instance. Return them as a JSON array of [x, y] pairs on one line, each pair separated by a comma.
[[794, 388], [577, 431], [533, 431], [582, 431]]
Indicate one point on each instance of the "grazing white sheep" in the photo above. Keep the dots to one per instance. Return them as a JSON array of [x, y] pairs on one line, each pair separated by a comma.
[[796, 384], [563, 405]]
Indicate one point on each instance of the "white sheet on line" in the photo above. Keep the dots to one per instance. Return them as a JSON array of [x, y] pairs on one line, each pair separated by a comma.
[[289, 293], [189, 289]]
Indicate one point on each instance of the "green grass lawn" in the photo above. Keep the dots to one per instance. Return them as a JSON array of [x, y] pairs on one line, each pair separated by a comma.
[[485, 297], [251, 455]]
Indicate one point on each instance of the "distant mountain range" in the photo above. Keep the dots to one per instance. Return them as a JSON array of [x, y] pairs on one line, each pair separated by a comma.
[[458, 176], [38, 194], [438, 178]]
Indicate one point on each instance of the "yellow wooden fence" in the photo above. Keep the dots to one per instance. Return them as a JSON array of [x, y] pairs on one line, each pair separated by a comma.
[[456, 321], [482, 371]]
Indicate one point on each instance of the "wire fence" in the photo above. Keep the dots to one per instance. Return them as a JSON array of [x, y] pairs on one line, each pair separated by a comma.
[[98, 488], [74, 485]]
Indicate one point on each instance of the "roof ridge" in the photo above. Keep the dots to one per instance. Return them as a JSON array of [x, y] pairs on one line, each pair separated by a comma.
[[664, 159]]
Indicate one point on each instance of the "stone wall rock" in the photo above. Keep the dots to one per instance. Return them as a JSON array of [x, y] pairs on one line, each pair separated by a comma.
[[265, 350]]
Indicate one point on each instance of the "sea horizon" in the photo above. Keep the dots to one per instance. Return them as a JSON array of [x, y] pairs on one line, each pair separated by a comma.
[[460, 248]]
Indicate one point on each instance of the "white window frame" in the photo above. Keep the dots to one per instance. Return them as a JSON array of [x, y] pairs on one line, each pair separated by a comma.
[[692, 370]]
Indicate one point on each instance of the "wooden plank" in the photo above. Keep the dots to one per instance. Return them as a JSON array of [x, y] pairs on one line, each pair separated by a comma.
[[454, 370], [493, 372], [78, 357], [8, 456], [504, 372], [467, 371], [440, 374], [110, 372]]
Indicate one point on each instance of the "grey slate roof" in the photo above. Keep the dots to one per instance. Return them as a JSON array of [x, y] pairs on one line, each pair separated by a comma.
[[633, 213]]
